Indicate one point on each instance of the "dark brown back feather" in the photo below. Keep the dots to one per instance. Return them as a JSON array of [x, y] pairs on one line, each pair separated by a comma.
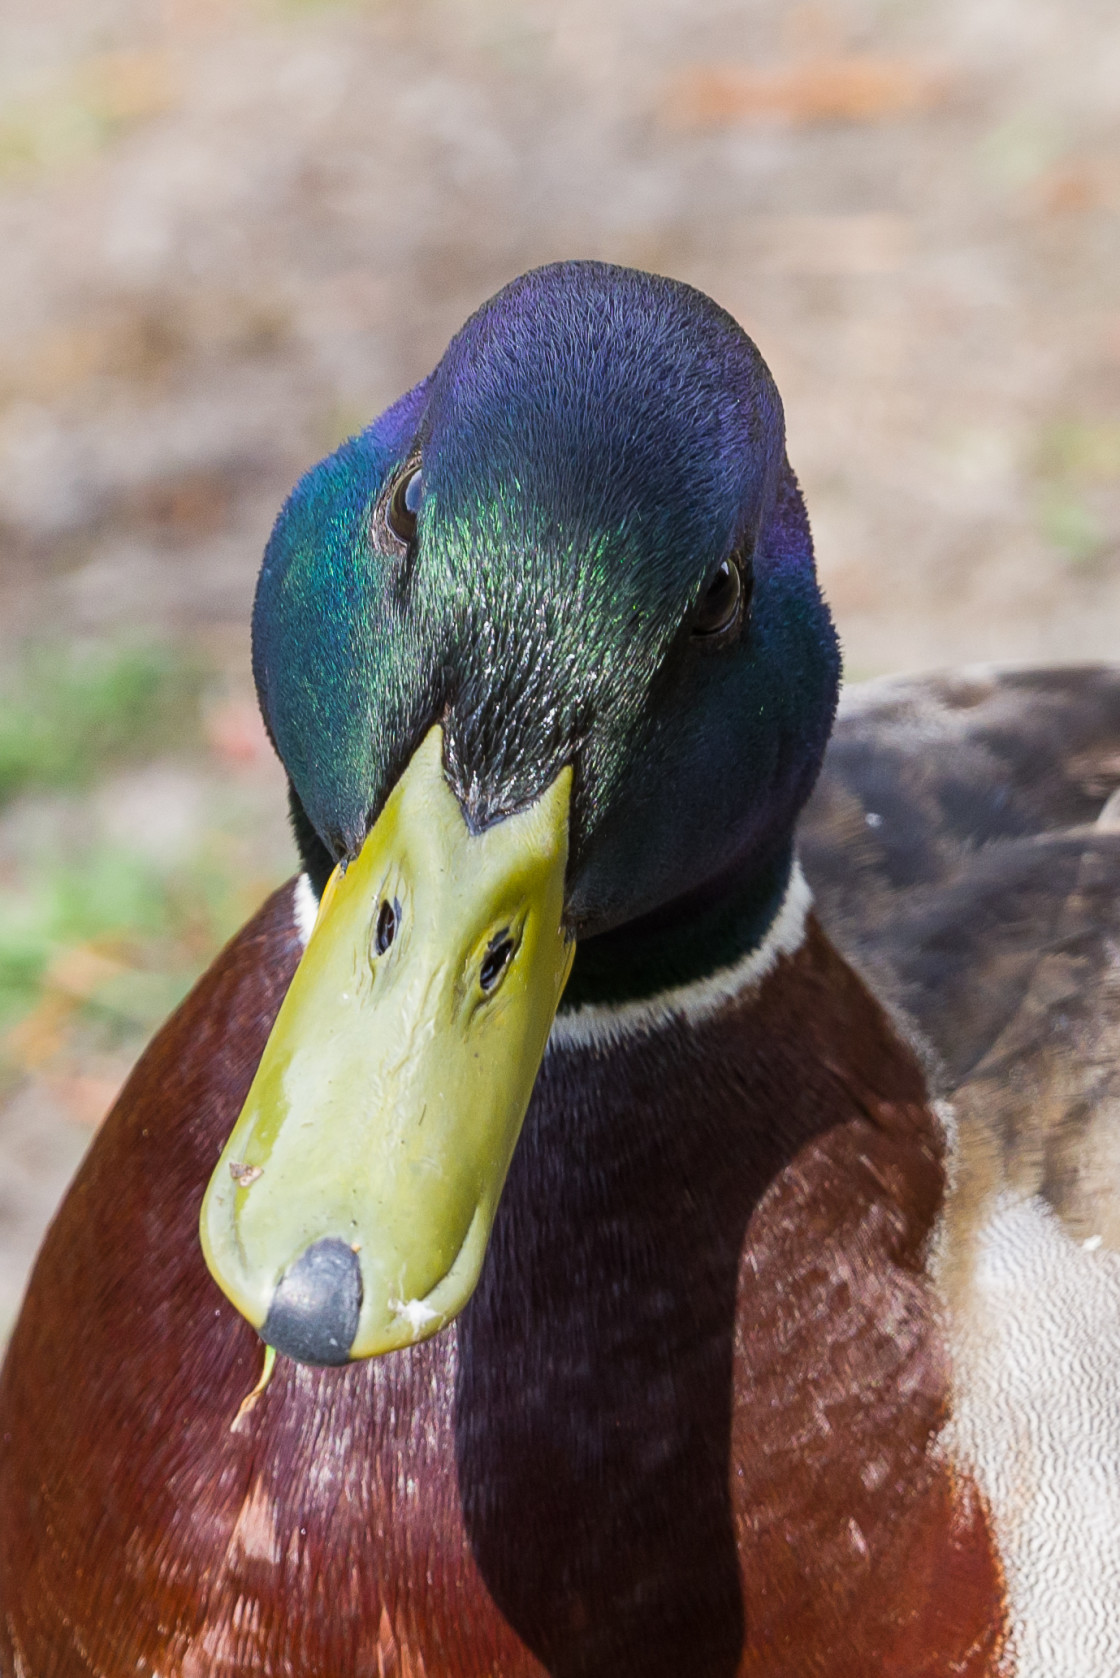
[[964, 852]]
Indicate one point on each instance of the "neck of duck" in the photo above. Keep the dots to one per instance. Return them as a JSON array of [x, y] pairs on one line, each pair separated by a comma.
[[679, 947]]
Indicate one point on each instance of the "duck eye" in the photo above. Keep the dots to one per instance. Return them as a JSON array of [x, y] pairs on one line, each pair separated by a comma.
[[720, 607], [404, 504]]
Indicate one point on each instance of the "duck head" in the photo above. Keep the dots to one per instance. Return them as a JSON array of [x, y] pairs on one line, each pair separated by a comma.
[[544, 656]]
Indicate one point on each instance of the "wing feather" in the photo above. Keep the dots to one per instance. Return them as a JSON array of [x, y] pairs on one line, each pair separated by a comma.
[[963, 846]]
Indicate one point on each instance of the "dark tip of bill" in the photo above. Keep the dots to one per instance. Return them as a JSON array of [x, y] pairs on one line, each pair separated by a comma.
[[313, 1317]]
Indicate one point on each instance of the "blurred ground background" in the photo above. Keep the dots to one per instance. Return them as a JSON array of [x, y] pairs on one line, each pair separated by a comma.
[[232, 230]]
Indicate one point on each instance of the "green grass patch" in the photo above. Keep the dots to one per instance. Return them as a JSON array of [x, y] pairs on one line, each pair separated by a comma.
[[114, 940], [1069, 524], [102, 934], [69, 714]]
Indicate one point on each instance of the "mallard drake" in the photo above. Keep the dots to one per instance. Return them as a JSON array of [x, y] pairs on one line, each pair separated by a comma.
[[655, 1289]]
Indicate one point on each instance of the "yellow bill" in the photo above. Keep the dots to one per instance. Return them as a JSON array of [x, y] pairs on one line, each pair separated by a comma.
[[351, 1207]]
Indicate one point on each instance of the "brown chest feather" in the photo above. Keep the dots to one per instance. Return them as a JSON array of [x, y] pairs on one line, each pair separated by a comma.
[[686, 1425]]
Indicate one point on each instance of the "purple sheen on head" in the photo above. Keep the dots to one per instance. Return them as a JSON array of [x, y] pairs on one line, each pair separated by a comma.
[[594, 442]]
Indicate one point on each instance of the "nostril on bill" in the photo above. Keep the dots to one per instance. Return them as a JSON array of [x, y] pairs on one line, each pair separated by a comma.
[[388, 920], [495, 961], [314, 1312]]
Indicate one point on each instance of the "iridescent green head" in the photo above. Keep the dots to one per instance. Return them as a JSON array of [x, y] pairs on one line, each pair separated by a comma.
[[594, 446], [544, 656]]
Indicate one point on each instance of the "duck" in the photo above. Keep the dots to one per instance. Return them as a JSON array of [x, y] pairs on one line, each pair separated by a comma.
[[643, 1198]]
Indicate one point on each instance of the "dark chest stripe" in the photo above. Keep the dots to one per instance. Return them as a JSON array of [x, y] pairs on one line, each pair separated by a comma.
[[685, 1426]]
